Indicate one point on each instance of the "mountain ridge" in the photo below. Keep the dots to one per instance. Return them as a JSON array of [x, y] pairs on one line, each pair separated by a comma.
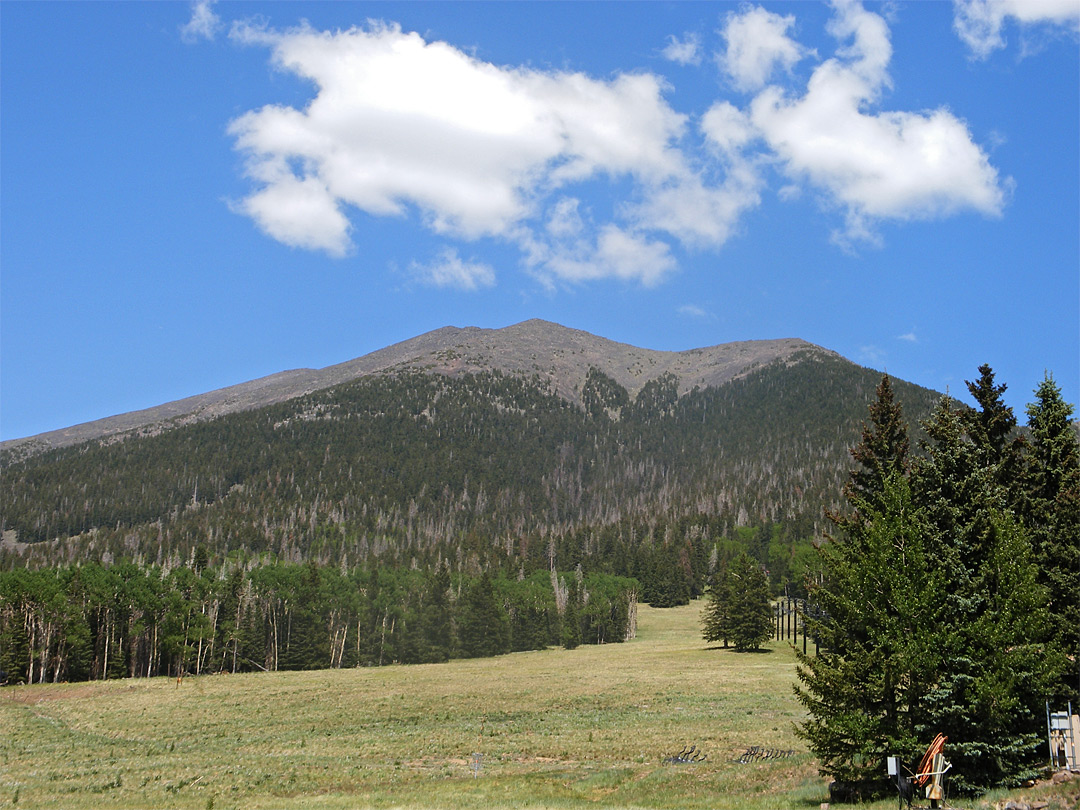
[[560, 355]]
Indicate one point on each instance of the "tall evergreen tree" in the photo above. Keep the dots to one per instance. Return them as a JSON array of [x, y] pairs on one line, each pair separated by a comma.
[[879, 608], [1054, 518], [992, 429], [875, 604], [934, 620], [995, 665], [571, 620]]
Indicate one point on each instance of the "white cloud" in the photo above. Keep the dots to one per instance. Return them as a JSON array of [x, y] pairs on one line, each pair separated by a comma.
[[398, 121], [727, 128], [702, 214], [204, 23], [875, 166], [300, 213], [692, 311], [399, 126], [564, 220], [757, 43], [448, 270], [909, 337], [699, 215], [616, 253], [979, 23], [686, 51]]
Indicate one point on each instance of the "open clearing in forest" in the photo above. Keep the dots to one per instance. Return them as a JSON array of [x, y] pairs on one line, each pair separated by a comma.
[[551, 729]]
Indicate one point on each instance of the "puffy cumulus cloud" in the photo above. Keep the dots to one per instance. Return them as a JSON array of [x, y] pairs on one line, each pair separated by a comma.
[[204, 23], [701, 216], [757, 44], [399, 126], [300, 213], [448, 270], [727, 128], [400, 123], [574, 250], [979, 23], [685, 51], [886, 165], [616, 253]]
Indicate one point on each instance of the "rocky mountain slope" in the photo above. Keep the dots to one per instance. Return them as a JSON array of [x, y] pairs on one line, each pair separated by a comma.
[[560, 357]]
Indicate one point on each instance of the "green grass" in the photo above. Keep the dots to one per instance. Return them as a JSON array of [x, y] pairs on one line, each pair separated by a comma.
[[554, 729]]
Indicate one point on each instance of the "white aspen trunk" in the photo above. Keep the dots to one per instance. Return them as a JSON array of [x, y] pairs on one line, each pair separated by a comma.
[[153, 652], [43, 668], [236, 634], [58, 668], [108, 635], [183, 650], [213, 630], [274, 640], [31, 632]]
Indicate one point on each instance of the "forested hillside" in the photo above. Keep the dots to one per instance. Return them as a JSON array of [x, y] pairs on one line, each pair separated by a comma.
[[403, 516], [482, 470]]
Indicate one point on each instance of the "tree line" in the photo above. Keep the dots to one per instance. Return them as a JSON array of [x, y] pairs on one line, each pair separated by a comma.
[[949, 592], [90, 621]]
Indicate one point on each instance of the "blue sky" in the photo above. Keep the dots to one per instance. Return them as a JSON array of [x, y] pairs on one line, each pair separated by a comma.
[[196, 195]]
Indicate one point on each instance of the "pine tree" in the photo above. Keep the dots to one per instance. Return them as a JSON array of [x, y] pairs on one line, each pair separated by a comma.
[[1054, 518], [882, 450], [748, 613], [571, 620], [876, 611], [716, 625], [437, 618], [992, 430], [485, 626], [995, 664], [878, 601]]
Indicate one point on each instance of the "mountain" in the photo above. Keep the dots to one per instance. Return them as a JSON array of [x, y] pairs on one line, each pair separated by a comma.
[[559, 356], [499, 450]]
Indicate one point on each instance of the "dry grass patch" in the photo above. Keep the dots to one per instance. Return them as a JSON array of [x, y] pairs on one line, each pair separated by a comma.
[[557, 728]]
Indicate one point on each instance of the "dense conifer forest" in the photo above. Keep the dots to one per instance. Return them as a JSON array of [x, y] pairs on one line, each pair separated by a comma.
[[340, 528]]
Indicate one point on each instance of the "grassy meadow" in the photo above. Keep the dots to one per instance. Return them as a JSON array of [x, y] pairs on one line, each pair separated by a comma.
[[553, 729]]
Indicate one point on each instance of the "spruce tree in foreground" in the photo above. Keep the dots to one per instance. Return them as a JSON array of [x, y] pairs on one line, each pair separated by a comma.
[[865, 690], [877, 606], [934, 619], [997, 663], [1054, 517]]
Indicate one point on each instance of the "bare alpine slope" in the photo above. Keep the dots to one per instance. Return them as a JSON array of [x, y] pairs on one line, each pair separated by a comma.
[[561, 357]]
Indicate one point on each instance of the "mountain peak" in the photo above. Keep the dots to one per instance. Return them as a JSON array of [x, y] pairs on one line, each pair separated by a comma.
[[558, 355]]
